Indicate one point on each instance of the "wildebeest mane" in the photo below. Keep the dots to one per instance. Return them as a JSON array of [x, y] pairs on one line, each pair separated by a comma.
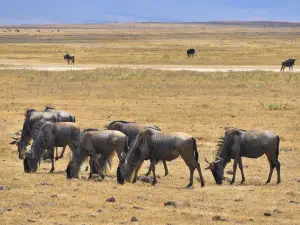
[[48, 107], [116, 121]]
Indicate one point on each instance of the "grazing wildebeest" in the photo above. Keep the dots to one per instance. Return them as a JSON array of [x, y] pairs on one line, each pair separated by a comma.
[[93, 142], [69, 57], [50, 136], [239, 143], [131, 130], [190, 52], [62, 116], [32, 123], [159, 145], [288, 63]]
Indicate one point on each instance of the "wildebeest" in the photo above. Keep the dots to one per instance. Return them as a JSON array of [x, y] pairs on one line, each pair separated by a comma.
[[239, 143], [190, 52], [288, 63], [32, 123], [93, 142], [131, 130], [51, 135], [69, 58], [62, 116], [159, 145]]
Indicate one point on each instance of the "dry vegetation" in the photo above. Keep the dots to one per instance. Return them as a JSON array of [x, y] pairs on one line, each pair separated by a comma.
[[138, 43], [201, 104]]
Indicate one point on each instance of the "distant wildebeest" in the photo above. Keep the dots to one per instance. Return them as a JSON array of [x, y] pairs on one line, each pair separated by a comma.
[[32, 123], [190, 52], [239, 143], [288, 63], [69, 58], [159, 145], [94, 142], [131, 130], [51, 135]]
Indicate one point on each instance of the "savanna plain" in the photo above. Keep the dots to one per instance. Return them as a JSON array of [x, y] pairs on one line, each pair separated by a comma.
[[201, 104]]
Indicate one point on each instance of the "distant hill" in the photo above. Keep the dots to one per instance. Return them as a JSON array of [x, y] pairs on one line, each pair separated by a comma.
[[253, 23]]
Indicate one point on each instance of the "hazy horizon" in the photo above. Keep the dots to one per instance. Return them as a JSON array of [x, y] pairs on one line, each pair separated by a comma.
[[79, 12]]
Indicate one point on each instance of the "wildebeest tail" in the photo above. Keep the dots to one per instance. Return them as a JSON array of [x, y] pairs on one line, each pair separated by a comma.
[[277, 147], [196, 154]]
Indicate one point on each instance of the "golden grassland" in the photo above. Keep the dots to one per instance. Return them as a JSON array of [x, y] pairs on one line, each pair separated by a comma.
[[201, 104], [137, 43]]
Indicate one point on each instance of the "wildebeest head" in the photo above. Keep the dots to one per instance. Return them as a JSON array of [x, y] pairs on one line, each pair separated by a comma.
[[72, 169], [217, 169], [30, 165]]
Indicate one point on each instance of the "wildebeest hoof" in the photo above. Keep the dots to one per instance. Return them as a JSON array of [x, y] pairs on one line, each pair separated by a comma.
[[189, 185], [51, 171], [278, 182], [243, 181], [57, 158], [154, 182], [231, 182]]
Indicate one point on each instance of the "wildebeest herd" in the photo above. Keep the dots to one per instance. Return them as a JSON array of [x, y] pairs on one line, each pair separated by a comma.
[[134, 143], [190, 54]]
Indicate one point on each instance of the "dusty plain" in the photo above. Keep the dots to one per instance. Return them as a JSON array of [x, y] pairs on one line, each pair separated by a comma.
[[201, 104]]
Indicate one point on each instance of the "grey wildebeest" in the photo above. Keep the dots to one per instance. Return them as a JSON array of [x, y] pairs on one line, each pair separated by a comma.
[[239, 143], [93, 142], [51, 135], [61, 116], [159, 145], [32, 123], [190, 52], [69, 58], [288, 63], [131, 130]]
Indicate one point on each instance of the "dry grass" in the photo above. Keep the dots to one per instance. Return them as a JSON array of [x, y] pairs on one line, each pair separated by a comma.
[[152, 44], [196, 103]]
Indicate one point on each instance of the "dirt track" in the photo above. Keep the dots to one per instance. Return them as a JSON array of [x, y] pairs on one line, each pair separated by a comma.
[[61, 67]]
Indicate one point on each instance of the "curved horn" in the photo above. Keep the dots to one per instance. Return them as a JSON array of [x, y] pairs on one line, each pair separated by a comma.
[[14, 137], [207, 161]]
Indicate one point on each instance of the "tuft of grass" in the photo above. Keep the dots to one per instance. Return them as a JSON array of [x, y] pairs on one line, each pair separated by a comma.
[[277, 106]]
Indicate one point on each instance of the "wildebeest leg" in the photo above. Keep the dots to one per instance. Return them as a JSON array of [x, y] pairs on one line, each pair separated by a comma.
[[152, 166], [241, 168], [166, 168], [63, 152], [192, 169], [52, 159], [234, 170], [56, 157], [200, 174], [277, 165], [136, 173], [272, 166]]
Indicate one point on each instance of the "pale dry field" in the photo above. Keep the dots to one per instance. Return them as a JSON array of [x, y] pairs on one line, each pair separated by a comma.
[[142, 43], [201, 104]]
